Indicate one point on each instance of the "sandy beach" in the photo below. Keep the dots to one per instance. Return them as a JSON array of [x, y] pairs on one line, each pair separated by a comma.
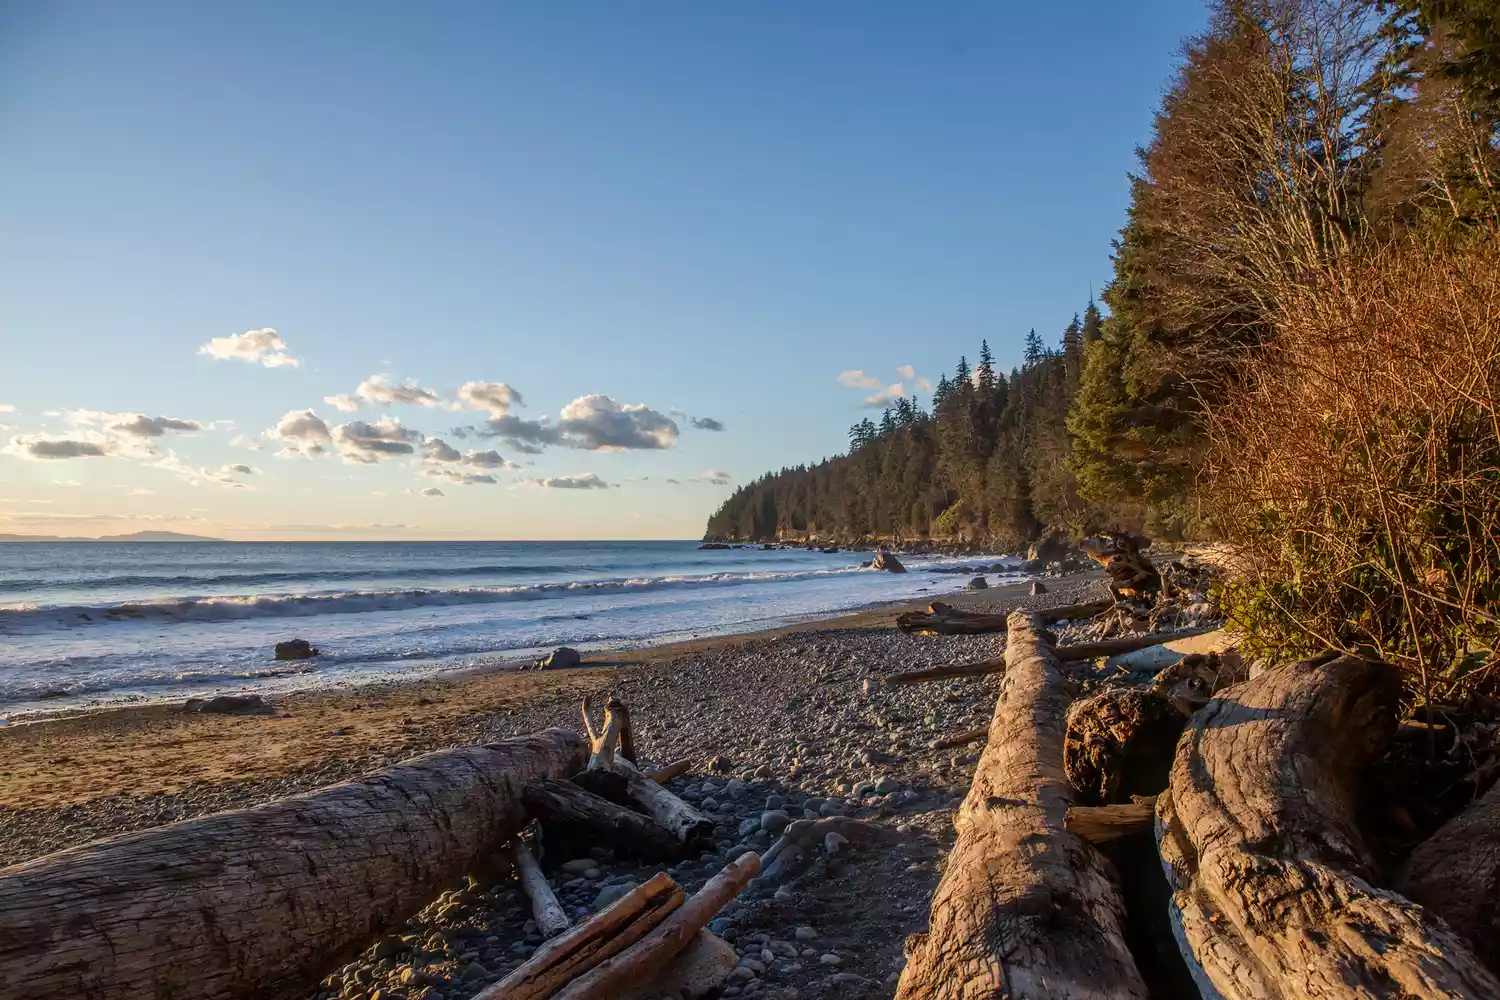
[[783, 717]]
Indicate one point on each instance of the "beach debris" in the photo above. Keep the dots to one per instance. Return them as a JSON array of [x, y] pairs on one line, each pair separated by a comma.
[[1260, 836], [941, 618], [985, 907], [961, 739], [887, 561], [1131, 572], [978, 583], [571, 813], [560, 658], [301, 883], [1038, 588], [295, 649], [229, 704], [676, 769], [545, 909], [795, 851], [1454, 874], [1102, 824]]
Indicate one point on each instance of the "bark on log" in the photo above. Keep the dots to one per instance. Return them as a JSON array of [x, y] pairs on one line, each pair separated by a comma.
[[565, 804], [1272, 886], [944, 619], [1455, 873], [1101, 824], [606, 933], [262, 902], [614, 976], [1121, 742], [1025, 910], [551, 919]]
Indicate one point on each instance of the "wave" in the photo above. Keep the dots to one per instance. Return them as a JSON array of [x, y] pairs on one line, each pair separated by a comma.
[[281, 576], [238, 608]]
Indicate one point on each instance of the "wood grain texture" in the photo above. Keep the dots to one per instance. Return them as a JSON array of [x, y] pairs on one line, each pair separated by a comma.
[[1025, 910], [1274, 892], [263, 902], [1455, 873], [565, 805]]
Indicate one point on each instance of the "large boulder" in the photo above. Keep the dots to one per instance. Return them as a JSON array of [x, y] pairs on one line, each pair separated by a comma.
[[978, 583], [1048, 548], [559, 658], [888, 562], [295, 649], [230, 704]]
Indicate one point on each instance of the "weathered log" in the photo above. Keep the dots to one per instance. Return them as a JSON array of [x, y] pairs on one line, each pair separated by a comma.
[[1455, 873], [1131, 573], [676, 769], [1273, 889], [604, 743], [1063, 654], [1025, 910], [551, 919], [944, 619], [697, 971], [614, 976], [1101, 824], [962, 739], [692, 827], [1120, 742], [608, 932], [262, 902], [564, 804], [796, 849]]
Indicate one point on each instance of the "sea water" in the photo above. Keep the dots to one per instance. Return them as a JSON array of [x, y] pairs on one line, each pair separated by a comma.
[[86, 623]]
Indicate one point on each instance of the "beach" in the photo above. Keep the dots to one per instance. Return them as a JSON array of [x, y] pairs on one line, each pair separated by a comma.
[[783, 716]]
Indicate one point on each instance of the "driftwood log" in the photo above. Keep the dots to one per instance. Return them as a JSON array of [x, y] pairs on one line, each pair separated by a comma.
[[612, 977], [577, 811], [262, 902], [1102, 824], [607, 933], [1121, 742], [1063, 654], [963, 738], [676, 769], [945, 619], [1273, 889], [1455, 873], [551, 919], [692, 827], [1025, 910]]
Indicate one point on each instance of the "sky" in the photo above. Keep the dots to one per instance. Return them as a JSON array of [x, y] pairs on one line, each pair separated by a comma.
[[329, 270]]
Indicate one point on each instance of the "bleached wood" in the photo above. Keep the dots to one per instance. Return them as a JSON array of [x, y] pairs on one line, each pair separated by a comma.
[[676, 769], [944, 619], [1101, 824], [567, 805], [551, 919], [691, 826], [1274, 892], [264, 902], [1025, 910]]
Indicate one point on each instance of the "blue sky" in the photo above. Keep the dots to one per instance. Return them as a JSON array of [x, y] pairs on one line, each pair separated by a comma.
[[661, 211]]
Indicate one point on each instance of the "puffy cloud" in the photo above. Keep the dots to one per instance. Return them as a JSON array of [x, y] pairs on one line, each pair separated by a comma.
[[437, 450], [907, 372], [599, 423], [140, 425], [243, 470], [487, 460], [432, 491], [924, 384], [706, 423], [528, 436], [48, 449], [257, 347], [7, 408], [855, 378], [587, 481], [716, 478], [378, 390], [301, 433], [367, 443], [886, 396], [461, 478], [495, 397]]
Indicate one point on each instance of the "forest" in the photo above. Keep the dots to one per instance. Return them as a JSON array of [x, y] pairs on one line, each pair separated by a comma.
[[1299, 353]]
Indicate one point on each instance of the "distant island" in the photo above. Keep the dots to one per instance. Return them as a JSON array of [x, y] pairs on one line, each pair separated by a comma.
[[134, 536]]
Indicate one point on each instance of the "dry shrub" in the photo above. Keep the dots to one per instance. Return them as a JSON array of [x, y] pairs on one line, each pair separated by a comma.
[[1357, 466]]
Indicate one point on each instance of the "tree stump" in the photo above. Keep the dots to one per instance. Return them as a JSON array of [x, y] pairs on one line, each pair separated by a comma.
[[1026, 910], [1273, 889]]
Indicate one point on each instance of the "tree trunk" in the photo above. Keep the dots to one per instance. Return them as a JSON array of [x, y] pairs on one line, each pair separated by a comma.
[[576, 810], [1026, 910], [263, 902], [1272, 885], [1455, 873], [945, 619]]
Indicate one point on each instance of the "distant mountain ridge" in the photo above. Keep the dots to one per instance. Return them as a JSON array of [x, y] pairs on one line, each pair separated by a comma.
[[134, 536]]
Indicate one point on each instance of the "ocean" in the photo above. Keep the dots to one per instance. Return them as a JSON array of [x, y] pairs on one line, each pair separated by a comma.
[[96, 623]]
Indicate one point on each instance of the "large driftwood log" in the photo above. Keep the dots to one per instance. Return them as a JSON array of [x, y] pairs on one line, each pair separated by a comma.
[[1063, 654], [1025, 910], [564, 804], [551, 919], [1455, 873], [614, 976], [262, 902], [692, 827], [606, 933], [1272, 885], [945, 619]]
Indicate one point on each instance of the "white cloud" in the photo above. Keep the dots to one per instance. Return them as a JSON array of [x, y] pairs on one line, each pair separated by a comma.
[[435, 449], [257, 347], [907, 372], [715, 477], [599, 423], [301, 433], [855, 378], [495, 397], [706, 423], [141, 492], [368, 443], [342, 403], [460, 478], [586, 481], [432, 491], [488, 460], [7, 408], [140, 425], [377, 390], [924, 384], [886, 396]]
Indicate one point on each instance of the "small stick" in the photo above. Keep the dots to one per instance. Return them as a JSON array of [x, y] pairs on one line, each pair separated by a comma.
[[676, 769], [551, 919], [962, 739]]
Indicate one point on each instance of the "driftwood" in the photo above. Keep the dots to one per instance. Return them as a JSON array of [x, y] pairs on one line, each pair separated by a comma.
[[676, 769], [551, 919], [1131, 573], [1063, 654], [574, 809], [962, 739], [1120, 742], [945, 619], [697, 971], [1455, 873], [1025, 910], [604, 743], [796, 849], [1273, 888], [1101, 824], [614, 976], [262, 902], [692, 827], [607, 933]]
